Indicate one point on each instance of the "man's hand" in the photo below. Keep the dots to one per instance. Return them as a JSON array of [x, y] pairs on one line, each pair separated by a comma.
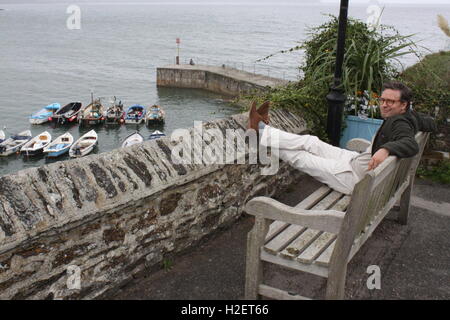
[[378, 158]]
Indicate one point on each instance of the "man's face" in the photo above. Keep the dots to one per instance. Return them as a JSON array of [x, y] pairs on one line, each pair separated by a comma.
[[392, 105]]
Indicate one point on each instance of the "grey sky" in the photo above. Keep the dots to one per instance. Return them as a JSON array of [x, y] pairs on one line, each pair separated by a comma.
[[297, 2]]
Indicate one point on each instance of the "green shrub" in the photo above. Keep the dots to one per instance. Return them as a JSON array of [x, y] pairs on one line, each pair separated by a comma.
[[439, 173], [371, 57]]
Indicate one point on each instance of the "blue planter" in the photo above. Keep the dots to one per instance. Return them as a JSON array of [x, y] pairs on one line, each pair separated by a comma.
[[359, 128]]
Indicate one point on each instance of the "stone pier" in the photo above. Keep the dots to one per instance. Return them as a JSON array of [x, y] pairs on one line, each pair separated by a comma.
[[223, 80]]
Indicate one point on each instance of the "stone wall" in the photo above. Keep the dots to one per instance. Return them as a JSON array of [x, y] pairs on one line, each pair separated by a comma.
[[113, 215]]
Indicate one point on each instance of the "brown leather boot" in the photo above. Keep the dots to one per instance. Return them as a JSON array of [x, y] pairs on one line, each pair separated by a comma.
[[263, 110], [254, 117]]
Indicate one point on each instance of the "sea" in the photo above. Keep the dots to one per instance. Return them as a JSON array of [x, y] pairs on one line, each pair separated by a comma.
[[61, 52]]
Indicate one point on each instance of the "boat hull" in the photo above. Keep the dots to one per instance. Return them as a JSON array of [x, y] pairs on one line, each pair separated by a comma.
[[85, 152], [38, 121], [134, 121], [10, 151], [32, 153], [91, 121], [54, 154]]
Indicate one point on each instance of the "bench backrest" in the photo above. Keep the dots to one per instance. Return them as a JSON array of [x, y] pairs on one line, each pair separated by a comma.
[[374, 196]]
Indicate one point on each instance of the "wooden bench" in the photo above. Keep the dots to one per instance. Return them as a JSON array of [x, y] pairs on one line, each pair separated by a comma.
[[322, 233]]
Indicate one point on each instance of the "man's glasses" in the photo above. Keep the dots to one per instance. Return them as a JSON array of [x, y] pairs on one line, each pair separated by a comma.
[[389, 102]]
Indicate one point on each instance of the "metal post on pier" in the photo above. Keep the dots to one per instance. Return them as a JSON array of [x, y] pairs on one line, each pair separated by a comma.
[[178, 51]]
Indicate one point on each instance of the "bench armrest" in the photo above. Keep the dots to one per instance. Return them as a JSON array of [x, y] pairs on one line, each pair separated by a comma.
[[323, 220]]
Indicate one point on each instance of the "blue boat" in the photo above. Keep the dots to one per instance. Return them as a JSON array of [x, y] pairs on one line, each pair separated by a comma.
[[44, 114], [135, 114], [59, 146]]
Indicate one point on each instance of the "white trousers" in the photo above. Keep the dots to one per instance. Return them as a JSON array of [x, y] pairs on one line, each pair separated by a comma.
[[330, 165]]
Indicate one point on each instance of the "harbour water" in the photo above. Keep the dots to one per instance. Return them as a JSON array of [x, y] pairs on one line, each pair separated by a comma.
[[120, 45]]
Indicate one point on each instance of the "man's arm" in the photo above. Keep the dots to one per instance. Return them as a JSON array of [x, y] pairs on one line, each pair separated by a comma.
[[402, 143]]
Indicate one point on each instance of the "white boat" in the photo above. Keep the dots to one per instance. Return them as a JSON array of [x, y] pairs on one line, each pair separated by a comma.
[[156, 135], [14, 143], [36, 145], [133, 138], [2, 136], [44, 114], [59, 146], [84, 144]]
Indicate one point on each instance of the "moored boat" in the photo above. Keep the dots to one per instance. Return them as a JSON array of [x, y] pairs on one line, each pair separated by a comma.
[[135, 114], [93, 114], [115, 113], [84, 145], [67, 114], [14, 143], [44, 114], [133, 138], [36, 145], [59, 146], [156, 135], [155, 115]]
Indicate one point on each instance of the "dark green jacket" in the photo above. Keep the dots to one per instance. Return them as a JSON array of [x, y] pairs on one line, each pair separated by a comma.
[[396, 134]]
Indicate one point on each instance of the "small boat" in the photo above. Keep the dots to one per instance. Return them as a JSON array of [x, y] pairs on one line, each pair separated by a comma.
[[155, 115], [36, 145], [67, 114], [94, 113], [2, 136], [133, 138], [156, 135], [115, 113], [84, 144], [44, 114], [14, 143], [135, 114], [59, 146]]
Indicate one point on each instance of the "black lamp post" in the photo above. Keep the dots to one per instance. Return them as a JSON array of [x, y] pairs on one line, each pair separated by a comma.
[[336, 97]]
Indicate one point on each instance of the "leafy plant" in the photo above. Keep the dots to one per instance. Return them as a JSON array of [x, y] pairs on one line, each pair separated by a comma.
[[439, 173], [371, 58]]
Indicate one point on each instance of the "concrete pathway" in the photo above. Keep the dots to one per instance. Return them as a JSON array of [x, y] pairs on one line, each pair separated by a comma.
[[414, 260]]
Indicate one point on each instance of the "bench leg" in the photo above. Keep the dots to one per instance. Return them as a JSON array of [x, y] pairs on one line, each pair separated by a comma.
[[253, 272], [336, 284], [404, 205]]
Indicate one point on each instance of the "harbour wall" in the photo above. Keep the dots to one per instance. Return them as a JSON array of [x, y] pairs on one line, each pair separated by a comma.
[[79, 228], [223, 80]]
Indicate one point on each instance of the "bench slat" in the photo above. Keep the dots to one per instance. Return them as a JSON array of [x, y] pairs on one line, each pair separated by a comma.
[[324, 258], [284, 238], [310, 236], [319, 245], [277, 226], [287, 235], [300, 243]]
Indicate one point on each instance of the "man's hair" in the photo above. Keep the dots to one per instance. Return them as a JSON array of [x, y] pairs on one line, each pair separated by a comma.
[[405, 92]]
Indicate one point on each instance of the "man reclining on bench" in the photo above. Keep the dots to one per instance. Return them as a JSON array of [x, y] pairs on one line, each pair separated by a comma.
[[341, 169]]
